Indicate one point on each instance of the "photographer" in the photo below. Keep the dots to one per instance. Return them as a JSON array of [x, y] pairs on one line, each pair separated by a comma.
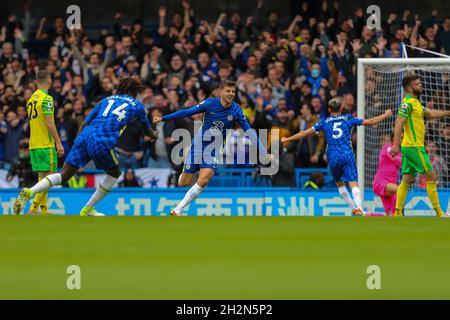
[[22, 168]]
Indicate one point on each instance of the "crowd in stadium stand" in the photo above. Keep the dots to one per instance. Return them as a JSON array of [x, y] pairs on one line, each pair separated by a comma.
[[285, 74]]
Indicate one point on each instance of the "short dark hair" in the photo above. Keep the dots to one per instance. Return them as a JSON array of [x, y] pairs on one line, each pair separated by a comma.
[[408, 79], [335, 104], [94, 54], [228, 83], [310, 108], [224, 65], [42, 76], [129, 86]]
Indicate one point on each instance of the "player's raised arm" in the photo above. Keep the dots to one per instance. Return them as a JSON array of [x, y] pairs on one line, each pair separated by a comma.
[[180, 114], [378, 119], [299, 135], [435, 114], [315, 129]]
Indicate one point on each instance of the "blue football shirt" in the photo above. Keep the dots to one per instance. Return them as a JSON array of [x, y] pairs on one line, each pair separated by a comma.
[[216, 121], [111, 116]]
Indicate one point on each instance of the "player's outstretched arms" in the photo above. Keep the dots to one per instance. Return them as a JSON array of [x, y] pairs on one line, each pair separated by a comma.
[[378, 119], [298, 136], [397, 136], [180, 114], [435, 114]]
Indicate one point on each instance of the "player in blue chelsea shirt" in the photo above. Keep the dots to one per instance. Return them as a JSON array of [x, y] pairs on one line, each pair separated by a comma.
[[341, 160], [220, 114], [97, 137]]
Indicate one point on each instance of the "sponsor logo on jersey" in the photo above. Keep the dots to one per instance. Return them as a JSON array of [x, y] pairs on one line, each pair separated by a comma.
[[404, 108], [217, 127]]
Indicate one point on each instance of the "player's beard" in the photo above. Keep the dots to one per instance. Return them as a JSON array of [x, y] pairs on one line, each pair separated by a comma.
[[417, 92]]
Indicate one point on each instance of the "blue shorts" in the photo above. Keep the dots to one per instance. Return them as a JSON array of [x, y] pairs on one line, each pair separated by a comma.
[[197, 159], [86, 148], [343, 166]]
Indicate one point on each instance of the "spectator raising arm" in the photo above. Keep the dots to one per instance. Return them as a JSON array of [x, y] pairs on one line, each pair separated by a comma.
[[117, 27], [106, 62], [290, 30], [187, 11], [218, 25], [27, 24], [415, 32], [40, 34], [77, 55], [211, 33], [19, 40], [162, 15], [186, 27]]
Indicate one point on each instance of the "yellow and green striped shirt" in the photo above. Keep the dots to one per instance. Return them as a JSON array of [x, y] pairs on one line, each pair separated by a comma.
[[414, 127], [40, 105]]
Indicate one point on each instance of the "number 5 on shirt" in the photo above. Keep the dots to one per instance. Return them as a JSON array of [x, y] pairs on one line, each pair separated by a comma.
[[336, 128]]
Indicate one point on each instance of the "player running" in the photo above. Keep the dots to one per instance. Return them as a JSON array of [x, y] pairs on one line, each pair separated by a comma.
[[43, 137], [97, 137], [220, 114], [385, 180], [341, 159], [414, 157]]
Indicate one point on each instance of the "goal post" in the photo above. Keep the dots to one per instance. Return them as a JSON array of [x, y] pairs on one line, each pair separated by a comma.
[[379, 88]]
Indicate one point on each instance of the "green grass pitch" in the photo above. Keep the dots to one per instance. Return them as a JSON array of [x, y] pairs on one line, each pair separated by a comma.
[[224, 257]]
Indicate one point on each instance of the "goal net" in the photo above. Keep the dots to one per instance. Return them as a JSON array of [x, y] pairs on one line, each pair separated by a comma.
[[379, 89]]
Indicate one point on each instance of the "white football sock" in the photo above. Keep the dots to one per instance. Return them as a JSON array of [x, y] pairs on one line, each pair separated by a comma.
[[190, 196], [357, 196], [346, 196], [47, 182], [102, 190]]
